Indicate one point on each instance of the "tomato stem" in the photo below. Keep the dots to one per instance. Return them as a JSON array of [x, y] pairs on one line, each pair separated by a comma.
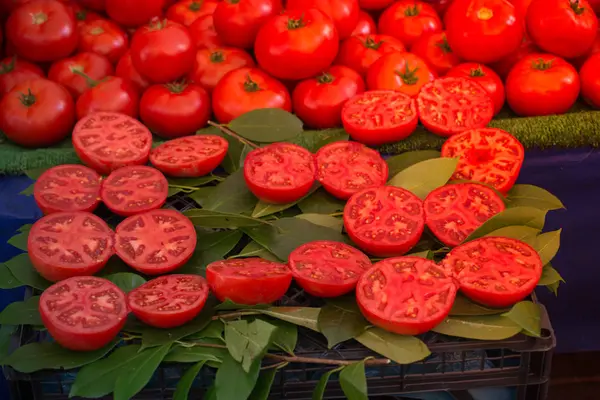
[[27, 99], [231, 133], [250, 85], [195, 6], [370, 43], [296, 23], [81, 15], [176, 87], [444, 45], [91, 82], [6, 68], [542, 65], [577, 8], [476, 72], [156, 24], [325, 78], [409, 76], [217, 56], [412, 11]]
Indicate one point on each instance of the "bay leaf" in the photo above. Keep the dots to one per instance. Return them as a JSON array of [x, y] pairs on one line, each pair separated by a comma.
[[216, 219], [340, 320], [528, 316], [302, 316], [398, 348], [547, 245], [523, 233], [22, 313], [267, 125], [402, 161], [487, 327], [425, 176], [324, 220], [533, 196], [353, 381], [523, 216], [126, 281], [321, 202]]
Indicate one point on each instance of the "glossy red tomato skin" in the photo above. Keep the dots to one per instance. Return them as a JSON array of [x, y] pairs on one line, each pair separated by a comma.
[[486, 77], [134, 13], [127, 71], [186, 12], [93, 65], [401, 72], [344, 13], [374, 5], [96, 5], [180, 299], [213, 64], [521, 7], [504, 66], [43, 30], [483, 31], [542, 84], [318, 101], [365, 25], [103, 37], [262, 282], [579, 61], [14, 70], [296, 53], [408, 20], [436, 52], [556, 27], [204, 34], [590, 81], [110, 95], [360, 52], [94, 289], [235, 95]]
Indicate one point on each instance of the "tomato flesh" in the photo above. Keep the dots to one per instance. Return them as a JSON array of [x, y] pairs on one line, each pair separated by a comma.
[[406, 295]]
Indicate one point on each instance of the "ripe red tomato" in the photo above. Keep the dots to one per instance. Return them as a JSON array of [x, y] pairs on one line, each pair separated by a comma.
[[344, 168], [495, 271], [521, 6], [408, 20], [67, 188], [365, 25], [134, 13], [107, 141], [190, 156], [103, 37], [212, 64], [360, 52], [380, 116], [296, 44], [440, 6], [483, 31], [406, 295], [96, 5], [590, 81], [401, 72], [111, 94], [542, 84], [344, 13], [490, 156], [67, 244], [14, 71], [453, 212], [156, 242], [436, 52], [37, 113], [93, 65], [169, 301], [204, 34], [83, 313], [374, 5], [83, 16], [246, 89], [42, 30], [486, 77], [185, 12], [504, 66], [386, 221], [127, 71], [248, 281], [595, 4], [328, 269], [566, 28], [318, 101]]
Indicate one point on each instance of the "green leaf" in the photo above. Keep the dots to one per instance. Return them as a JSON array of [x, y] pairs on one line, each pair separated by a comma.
[[202, 195], [192, 182], [463, 306], [35, 173], [354, 381], [402, 161], [210, 247], [28, 191], [136, 374], [323, 220], [307, 317], [553, 288], [524, 216], [428, 254], [550, 276], [547, 245], [7, 279], [314, 140], [322, 385], [229, 305], [398, 348], [425, 176], [267, 125], [533, 196], [248, 341], [187, 380], [25, 228], [263, 386], [19, 240], [486, 327], [22, 269], [263, 209], [285, 336], [232, 382], [341, 320], [231, 196], [126, 281], [321, 202], [254, 249], [6, 332], [523, 233], [215, 219], [22, 313], [194, 354], [214, 330], [527, 315]]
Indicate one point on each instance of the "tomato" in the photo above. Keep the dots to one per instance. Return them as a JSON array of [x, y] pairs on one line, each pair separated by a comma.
[[42, 31], [156, 242], [504, 66], [495, 271], [486, 77], [169, 301], [360, 52], [163, 51], [83, 313], [185, 12], [127, 71], [83, 16], [453, 212], [246, 89], [344, 168], [327, 269], [14, 71], [401, 72], [491, 156], [134, 13], [96, 5], [406, 295], [579, 61], [566, 28], [436, 52], [111, 94], [248, 281], [440, 6], [521, 6], [318, 101], [37, 113], [106, 141], [590, 81], [65, 71], [212, 64], [103, 37], [344, 13], [385, 221], [190, 156], [204, 34], [483, 31], [365, 25], [595, 4], [542, 84], [408, 20], [297, 44], [374, 5]]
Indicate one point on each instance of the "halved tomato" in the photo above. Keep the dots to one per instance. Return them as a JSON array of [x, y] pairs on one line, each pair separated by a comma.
[[495, 271], [406, 295], [67, 244], [156, 242], [486, 77], [169, 301], [248, 281]]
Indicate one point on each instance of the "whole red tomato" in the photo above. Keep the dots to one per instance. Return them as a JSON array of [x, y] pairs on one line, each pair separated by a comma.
[[297, 44], [43, 30], [212, 65], [246, 89], [112, 94], [96, 5], [187, 11], [163, 51], [13, 71], [542, 84], [590, 81], [134, 13], [566, 28], [237, 21], [344, 13], [103, 37], [360, 52], [37, 113], [84, 16], [127, 71], [483, 31], [365, 25], [504, 66], [374, 5], [318, 101], [66, 71], [486, 77], [204, 34], [408, 20], [435, 50], [402, 72]]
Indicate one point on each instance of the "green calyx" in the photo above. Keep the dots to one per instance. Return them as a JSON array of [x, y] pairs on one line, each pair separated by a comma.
[[176, 87], [408, 76], [157, 24], [8, 67], [412, 11], [542, 65], [250, 85], [370, 43], [444, 45], [27, 99], [576, 7], [217, 57], [81, 15], [296, 23], [476, 72], [325, 78], [195, 6]]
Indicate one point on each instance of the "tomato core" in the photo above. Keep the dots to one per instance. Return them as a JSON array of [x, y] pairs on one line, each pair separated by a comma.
[[409, 76], [250, 85], [39, 18], [28, 99], [479, 156], [484, 14], [370, 43], [217, 57]]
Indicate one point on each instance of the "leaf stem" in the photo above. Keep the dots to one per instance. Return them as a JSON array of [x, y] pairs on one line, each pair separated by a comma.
[[231, 133], [235, 314], [184, 187], [276, 365], [337, 214]]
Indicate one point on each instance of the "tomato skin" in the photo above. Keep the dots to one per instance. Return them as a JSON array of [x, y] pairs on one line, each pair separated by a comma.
[[344, 13], [590, 81], [483, 31], [93, 65], [187, 12], [96, 5], [103, 37], [246, 89], [212, 64], [127, 71], [204, 34], [504, 66], [579, 61], [83, 16], [542, 84], [360, 52], [318, 101], [109, 95], [374, 5], [365, 25], [401, 72], [436, 52], [486, 77], [134, 13], [14, 70], [557, 28], [293, 53], [408, 20]]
